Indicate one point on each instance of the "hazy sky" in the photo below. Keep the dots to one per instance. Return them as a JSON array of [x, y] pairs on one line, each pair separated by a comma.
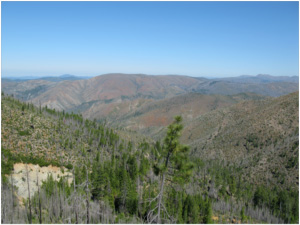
[[189, 38]]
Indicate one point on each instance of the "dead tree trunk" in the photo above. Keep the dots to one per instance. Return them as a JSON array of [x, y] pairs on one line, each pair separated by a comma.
[[2, 203], [75, 199], [160, 198], [12, 197], [40, 205], [29, 201], [87, 197], [162, 189], [60, 204]]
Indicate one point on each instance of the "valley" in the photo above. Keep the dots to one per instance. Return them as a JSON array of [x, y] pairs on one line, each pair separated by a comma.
[[149, 112], [109, 135]]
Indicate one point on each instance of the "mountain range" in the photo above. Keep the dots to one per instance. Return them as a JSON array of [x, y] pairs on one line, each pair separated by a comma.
[[49, 78], [261, 78], [71, 91], [146, 103], [243, 136]]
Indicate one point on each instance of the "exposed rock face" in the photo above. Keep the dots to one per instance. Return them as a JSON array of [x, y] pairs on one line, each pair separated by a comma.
[[19, 177]]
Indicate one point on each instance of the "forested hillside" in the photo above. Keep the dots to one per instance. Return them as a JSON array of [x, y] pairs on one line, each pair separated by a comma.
[[149, 117], [260, 137], [118, 178]]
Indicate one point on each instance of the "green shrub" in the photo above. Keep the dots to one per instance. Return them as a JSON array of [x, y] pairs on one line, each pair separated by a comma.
[[69, 166], [24, 132]]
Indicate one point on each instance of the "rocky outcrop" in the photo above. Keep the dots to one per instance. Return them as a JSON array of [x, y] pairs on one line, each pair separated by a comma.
[[19, 177]]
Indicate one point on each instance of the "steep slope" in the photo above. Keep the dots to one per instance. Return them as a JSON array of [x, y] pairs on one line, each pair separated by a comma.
[[52, 143], [260, 137], [67, 95], [116, 176], [73, 95], [29, 88], [44, 136], [152, 116], [25, 90]]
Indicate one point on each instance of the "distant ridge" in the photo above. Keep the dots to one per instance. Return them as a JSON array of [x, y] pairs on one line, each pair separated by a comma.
[[69, 91], [66, 76], [260, 78], [49, 78]]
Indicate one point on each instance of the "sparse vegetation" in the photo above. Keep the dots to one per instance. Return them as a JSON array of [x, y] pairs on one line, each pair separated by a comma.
[[115, 177]]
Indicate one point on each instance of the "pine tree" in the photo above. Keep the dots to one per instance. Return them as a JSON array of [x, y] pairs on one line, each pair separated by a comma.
[[132, 198], [243, 216], [179, 209], [208, 213], [172, 162]]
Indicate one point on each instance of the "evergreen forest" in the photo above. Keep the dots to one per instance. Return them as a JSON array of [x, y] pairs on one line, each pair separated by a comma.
[[115, 176]]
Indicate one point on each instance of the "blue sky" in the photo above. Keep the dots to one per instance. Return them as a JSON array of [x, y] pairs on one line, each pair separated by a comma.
[[211, 39]]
